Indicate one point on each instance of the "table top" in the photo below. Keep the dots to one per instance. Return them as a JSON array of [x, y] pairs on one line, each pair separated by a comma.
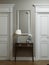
[[24, 44]]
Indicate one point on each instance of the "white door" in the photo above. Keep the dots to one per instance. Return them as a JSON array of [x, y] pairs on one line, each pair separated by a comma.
[[4, 36], [42, 36]]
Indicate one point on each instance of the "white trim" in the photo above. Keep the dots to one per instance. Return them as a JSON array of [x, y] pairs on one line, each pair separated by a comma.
[[39, 9], [35, 59], [36, 38], [3, 58], [18, 19], [11, 35], [6, 7], [40, 4], [42, 8], [23, 58], [28, 17], [9, 8], [28, 22]]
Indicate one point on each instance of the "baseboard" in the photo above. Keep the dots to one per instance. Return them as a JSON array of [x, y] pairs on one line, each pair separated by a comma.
[[23, 58], [3, 58], [35, 59]]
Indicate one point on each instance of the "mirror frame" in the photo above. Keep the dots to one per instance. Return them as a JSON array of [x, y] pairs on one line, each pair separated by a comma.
[[29, 22]]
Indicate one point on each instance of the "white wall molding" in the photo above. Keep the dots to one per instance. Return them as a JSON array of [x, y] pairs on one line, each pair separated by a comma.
[[11, 31], [23, 58], [37, 4], [41, 8], [9, 9], [6, 7]]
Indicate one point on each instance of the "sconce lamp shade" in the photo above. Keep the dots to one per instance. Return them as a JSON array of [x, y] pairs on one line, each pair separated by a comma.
[[18, 32]]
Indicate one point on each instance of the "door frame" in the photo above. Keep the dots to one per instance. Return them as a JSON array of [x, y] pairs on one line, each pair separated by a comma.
[[38, 9], [8, 8]]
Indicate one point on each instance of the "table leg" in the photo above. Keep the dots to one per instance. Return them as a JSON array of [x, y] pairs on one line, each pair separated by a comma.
[[15, 52], [32, 54]]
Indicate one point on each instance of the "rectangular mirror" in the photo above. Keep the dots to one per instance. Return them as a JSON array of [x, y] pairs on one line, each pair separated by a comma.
[[23, 20]]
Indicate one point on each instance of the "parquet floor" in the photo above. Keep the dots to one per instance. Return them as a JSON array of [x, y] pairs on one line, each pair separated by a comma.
[[24, 63]]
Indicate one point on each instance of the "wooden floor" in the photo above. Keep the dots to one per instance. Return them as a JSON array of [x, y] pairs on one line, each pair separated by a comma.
[[24, 63]]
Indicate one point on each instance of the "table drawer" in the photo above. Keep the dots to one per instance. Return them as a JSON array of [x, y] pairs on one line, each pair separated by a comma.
[[24, 44]]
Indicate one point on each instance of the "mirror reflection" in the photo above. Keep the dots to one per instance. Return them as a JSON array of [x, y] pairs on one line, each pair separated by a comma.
[[23, 20]]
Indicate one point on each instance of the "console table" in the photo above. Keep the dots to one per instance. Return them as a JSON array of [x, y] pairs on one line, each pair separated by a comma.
[[23, 46]]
